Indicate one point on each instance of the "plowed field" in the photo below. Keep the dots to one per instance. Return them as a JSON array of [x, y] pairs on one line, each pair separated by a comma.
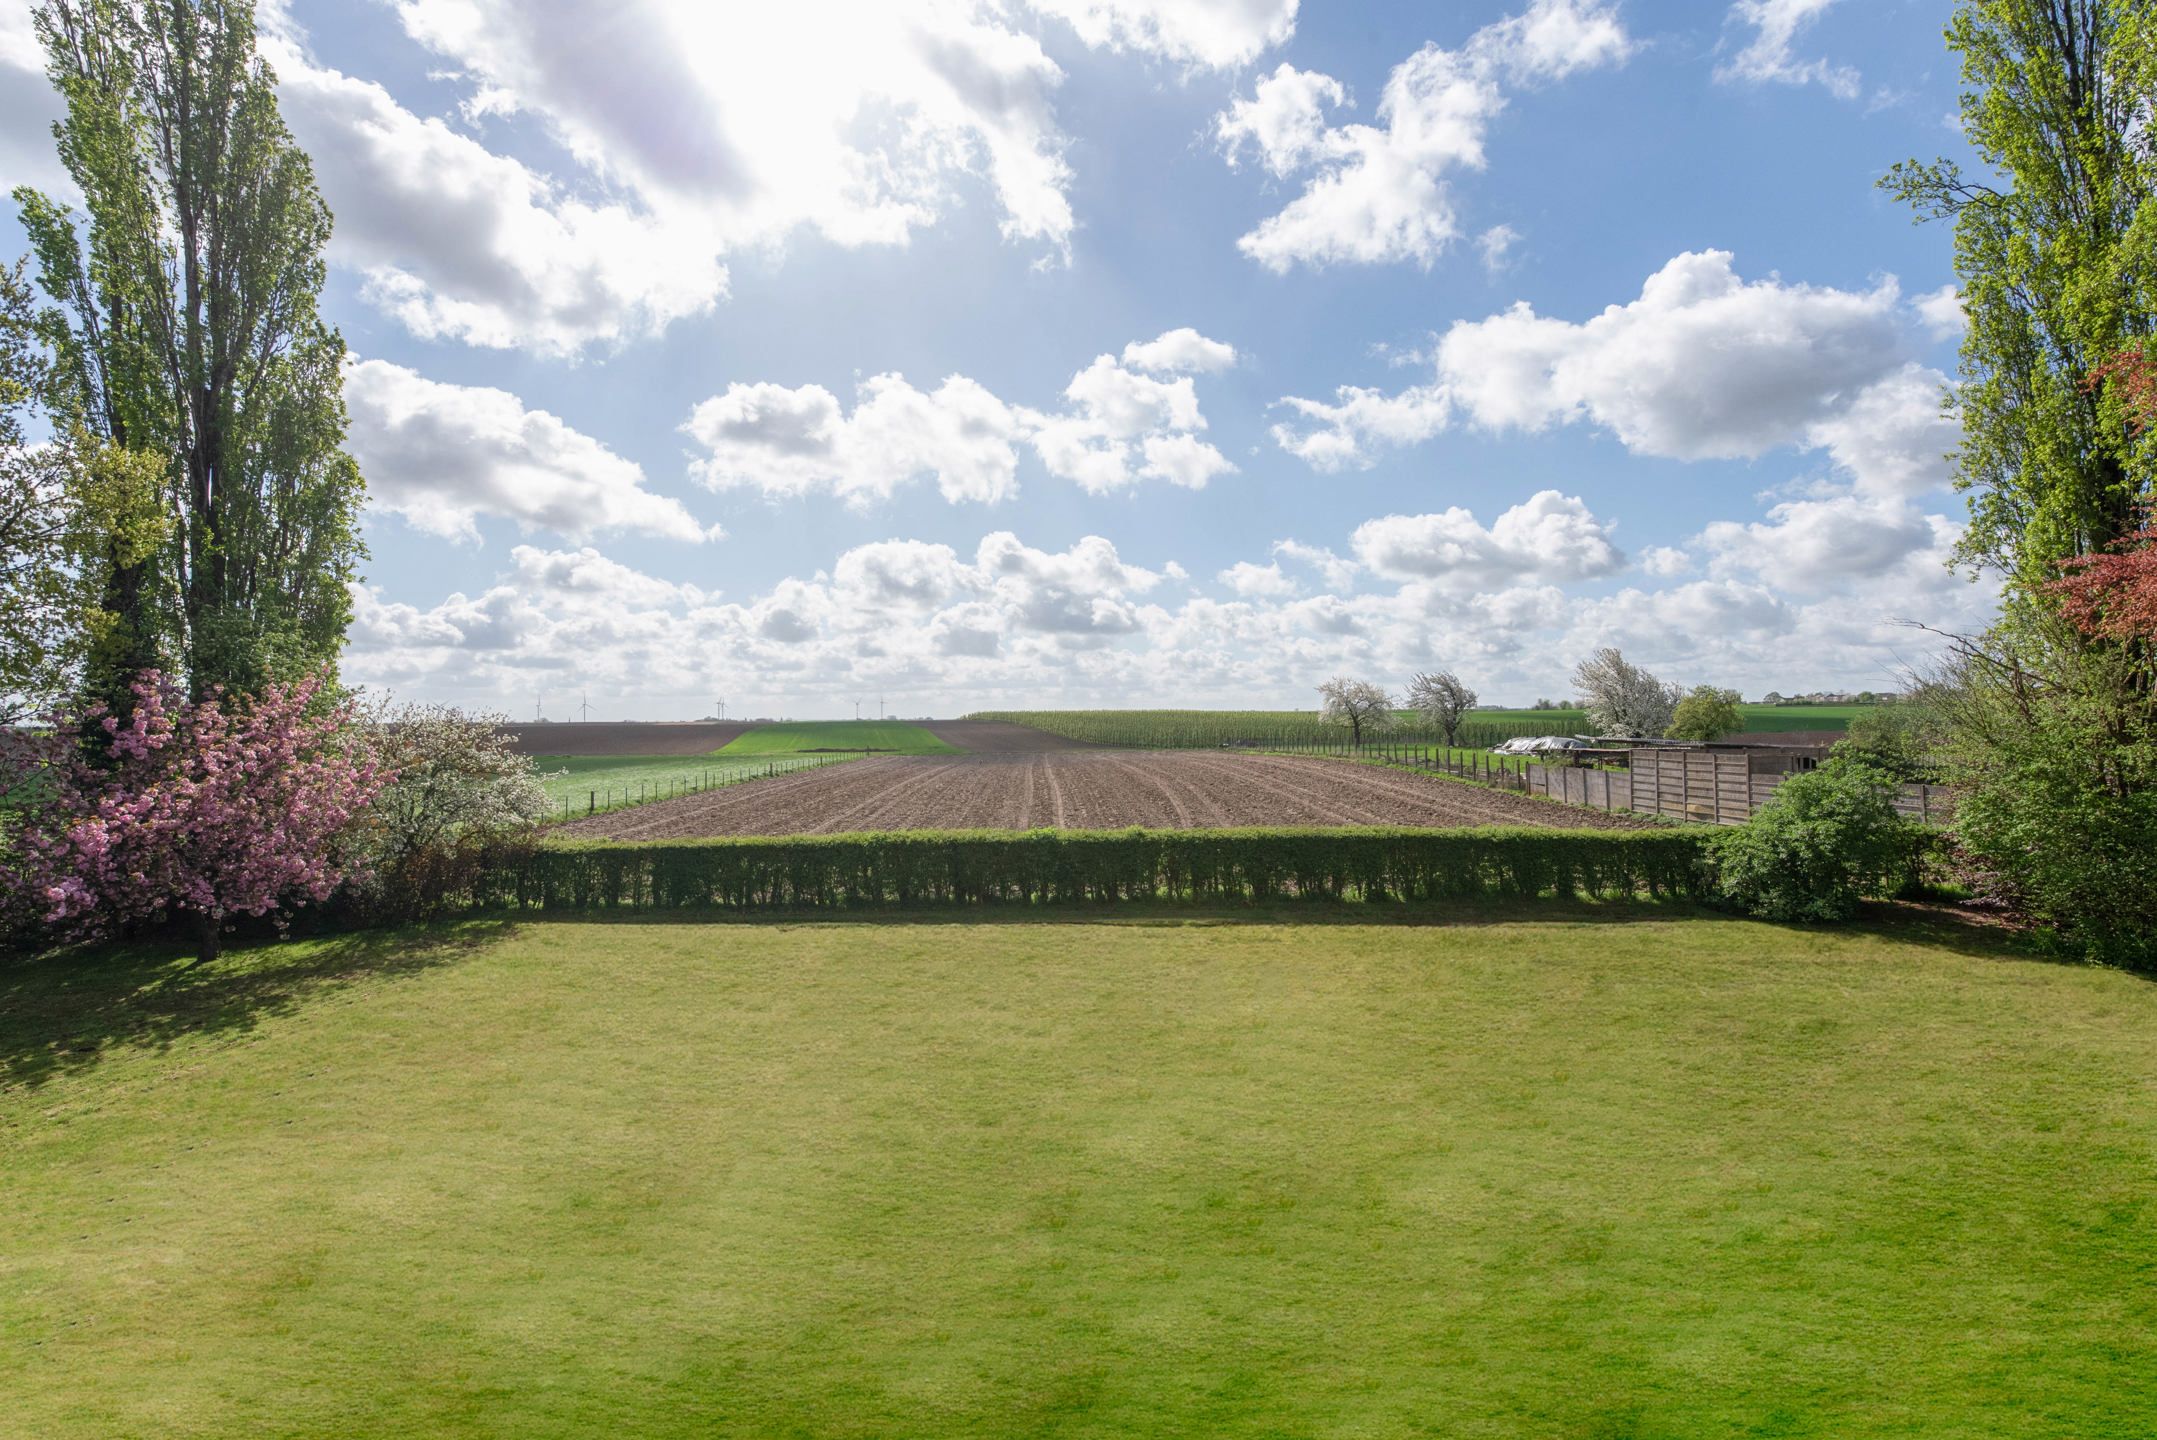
[[625, 737], [1000, 737], [1084, 790]]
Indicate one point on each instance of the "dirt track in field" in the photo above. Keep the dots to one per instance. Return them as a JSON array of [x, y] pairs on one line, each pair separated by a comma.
[[626, 737], [1090, 790]]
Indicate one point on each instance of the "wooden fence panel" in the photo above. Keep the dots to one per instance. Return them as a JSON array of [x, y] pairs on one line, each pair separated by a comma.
[[1707, 787]]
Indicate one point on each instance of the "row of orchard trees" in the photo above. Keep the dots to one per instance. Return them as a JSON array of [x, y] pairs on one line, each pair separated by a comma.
[[1620, 699], [178, 518]]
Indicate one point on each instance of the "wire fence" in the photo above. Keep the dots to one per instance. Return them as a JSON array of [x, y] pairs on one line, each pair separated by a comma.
[[1466, 762], [601, 798]]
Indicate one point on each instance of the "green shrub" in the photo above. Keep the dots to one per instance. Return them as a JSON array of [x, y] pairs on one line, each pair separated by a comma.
[[2050, 741], [1706, 713], [1829, 838], [1900, 739], [1049, 867], [2066, 832]]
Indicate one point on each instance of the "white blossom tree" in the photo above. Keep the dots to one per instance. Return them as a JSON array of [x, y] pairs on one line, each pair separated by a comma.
[[1441, 699], [1358, 704], [1621, 698], [458, 785]]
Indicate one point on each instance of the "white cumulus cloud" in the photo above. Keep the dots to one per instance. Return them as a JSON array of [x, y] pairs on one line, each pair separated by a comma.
[[1250, 579], [444, 456], [1182, 350], [1703, 365], [1378, 193], [1768, 56], [1941, 311], [1212, 33], [797, 441], [1118, 425], [1893, 438], [1550, 536], [1825, 544], [603, 163]]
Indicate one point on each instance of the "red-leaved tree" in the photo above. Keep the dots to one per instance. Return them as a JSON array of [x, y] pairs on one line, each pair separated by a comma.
[[2113, 593], [209, 809]]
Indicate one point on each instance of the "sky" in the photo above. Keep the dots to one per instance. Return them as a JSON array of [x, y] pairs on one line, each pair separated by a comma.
[[950, 355]]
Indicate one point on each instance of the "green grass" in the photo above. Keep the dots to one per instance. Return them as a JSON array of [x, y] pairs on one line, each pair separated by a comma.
[[1596, 1176], [1802, 717], [608, 782], [797, 736]]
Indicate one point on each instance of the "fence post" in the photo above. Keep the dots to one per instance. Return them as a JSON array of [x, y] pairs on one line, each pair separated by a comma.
[[591, 805]]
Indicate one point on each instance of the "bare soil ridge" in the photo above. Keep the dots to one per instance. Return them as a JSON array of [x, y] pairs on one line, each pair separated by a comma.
[[1000, 737], [625, 737], [1096, 790]]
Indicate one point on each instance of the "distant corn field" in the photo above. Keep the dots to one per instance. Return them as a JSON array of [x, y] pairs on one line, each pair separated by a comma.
[[1186, 729]]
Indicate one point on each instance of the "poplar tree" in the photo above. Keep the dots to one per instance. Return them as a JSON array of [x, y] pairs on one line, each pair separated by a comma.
[[183, 324], [2054, 252]]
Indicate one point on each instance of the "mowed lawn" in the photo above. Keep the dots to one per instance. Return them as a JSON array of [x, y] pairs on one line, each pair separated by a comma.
[[1590, 1177]]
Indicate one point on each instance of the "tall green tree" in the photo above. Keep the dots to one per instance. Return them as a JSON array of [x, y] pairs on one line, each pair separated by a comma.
[[183, 322], [34, 633], [2056, 256], [71, 509]]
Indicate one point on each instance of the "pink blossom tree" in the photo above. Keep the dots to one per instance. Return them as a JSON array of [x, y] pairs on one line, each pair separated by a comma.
[[210, 808]]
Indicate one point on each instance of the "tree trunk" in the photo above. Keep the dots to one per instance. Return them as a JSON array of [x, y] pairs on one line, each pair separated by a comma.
[[209, 939]]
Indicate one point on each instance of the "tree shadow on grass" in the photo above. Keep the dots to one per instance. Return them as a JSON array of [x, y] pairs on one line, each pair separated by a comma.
[[1168, 913], [1928, 926], [68, 1010], [1976, 933]]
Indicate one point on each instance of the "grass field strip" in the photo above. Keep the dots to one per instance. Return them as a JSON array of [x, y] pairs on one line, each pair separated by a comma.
[[585, 785]]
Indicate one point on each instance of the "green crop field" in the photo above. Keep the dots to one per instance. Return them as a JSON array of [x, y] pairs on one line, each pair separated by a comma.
[[586, 783], [1802, 717], [1622, 1172], [1170, 729], [1758, 718], [807, 736]]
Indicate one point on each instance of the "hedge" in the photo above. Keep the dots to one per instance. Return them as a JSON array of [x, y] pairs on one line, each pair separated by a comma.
[[918, 868]]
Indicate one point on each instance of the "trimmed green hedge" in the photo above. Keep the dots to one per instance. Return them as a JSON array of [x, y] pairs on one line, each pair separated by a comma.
[[1062, 866]]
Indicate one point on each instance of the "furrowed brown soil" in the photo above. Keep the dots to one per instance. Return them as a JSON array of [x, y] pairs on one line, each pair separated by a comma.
[[1090, 790], [1000, 737], [625, 737]]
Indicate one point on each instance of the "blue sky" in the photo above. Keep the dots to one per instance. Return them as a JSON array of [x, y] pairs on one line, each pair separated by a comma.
[[1101, 352]]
